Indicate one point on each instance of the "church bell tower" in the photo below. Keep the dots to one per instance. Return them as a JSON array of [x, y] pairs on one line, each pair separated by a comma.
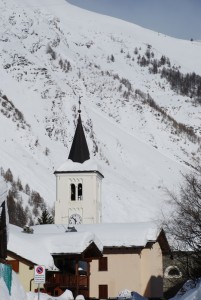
[[78, 184]]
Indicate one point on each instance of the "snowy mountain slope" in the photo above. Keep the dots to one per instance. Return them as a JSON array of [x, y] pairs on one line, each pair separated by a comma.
[[51, 54]]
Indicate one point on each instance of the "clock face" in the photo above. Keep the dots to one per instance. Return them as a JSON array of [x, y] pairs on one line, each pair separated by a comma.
[[75, 219]]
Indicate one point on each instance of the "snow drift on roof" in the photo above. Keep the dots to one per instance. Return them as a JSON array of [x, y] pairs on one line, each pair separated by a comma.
[[111, 234], [70, 166], [39, 246]]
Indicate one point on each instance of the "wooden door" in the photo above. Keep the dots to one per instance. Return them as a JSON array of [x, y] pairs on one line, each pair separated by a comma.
[[103, 291]]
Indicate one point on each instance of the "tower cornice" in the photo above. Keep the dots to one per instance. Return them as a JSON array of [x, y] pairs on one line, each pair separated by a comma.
[[76, 172]]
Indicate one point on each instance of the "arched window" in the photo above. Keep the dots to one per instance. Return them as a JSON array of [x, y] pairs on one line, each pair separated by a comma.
[[79, 191], [172, 272], [73, 191]]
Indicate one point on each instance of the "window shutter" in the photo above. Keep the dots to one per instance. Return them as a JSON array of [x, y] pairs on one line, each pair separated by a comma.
[[103, 264]]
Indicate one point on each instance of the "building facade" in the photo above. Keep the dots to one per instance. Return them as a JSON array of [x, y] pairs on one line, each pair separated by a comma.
[[134, 269], [95, 260]]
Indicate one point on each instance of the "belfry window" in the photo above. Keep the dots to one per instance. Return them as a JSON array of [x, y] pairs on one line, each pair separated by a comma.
[[76, 191], [79, 191], [73, 192]]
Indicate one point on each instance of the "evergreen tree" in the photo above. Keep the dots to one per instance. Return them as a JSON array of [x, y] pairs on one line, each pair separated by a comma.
[[154, 68], [27, 189], [136, 51], [17, 214], [19, 184], [46, 218], [8, 176], [112, 58], [2, 171]]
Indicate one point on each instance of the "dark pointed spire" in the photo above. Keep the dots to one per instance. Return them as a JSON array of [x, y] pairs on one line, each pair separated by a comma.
[[79, 151]]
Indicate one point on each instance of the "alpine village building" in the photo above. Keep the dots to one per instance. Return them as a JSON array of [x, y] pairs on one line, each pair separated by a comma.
[[84, 255]]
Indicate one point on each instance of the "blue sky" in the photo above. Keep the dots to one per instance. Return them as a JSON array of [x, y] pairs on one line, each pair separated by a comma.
[[177, 18]]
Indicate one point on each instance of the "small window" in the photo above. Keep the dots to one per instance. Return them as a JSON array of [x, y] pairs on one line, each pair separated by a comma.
[[79, 191], [172, 272], [82, 267], [103, 291], [102, 266], [73, 192]]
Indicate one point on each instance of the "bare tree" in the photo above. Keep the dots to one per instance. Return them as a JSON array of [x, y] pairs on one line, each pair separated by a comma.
[[184, 224]]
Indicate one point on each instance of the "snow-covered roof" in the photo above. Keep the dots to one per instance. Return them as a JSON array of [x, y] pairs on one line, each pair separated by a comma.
[[124, 234], [50, 239], [111, 234], [43, 243], [90, 165]]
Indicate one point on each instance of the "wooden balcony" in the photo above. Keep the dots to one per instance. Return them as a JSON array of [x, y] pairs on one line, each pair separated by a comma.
[[78, 284]]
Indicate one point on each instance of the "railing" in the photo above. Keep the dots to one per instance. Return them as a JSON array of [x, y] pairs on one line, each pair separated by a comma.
[[67, 280]]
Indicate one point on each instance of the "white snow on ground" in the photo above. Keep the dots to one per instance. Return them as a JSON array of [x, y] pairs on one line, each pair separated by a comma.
[[190, 291], [17, 292], [67, 295]]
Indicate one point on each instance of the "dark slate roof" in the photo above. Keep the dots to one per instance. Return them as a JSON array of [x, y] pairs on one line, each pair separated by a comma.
[[79, 151]]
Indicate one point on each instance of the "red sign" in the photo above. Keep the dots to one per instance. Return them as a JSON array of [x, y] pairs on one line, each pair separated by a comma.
[[39, 270], [39, 274]]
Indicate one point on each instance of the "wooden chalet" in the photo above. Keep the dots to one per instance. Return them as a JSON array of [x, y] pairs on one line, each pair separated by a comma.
[[74, 272]]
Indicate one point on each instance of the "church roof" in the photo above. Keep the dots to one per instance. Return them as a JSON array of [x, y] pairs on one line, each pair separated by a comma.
[[79, 151]]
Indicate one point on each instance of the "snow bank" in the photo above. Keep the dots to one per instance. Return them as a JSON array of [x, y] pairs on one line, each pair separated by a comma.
[[130, 295], [67, 295], [190, 291], [17, 292], [4, 290]]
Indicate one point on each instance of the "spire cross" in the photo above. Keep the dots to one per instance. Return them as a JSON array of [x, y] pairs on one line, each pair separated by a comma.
[[79, 111]]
